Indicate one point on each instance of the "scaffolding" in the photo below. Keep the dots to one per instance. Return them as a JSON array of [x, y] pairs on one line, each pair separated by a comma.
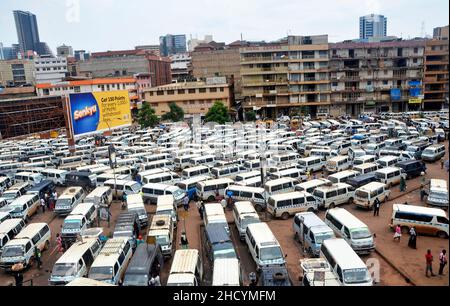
[[24, 116]]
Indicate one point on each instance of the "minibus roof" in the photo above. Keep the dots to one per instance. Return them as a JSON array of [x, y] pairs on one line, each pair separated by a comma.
[[110, 252], [30, 230], [419, 210], [349, 220], [83, 281], [388, 170], [74, 253], [81, 209], [371, 186], [346, 257], [289, 195], [262, 234], [314, 182], [279, 181], [226, 272], [184, 261], [244, 207], [344, 173], [9, 224], [246, 188]]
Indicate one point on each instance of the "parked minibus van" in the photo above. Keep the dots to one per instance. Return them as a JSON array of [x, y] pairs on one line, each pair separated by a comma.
[[433, 153], [338, 163], [288, 204], [214, 214], [151, 192], [5, 183], [217, 243], [21, 248], [81, 217], [145, 264], [281, 185], [227, 272], [28, 177], [366, 195], [244, 214], [366, 168], [207, 190], [312, 163], [342, 177], [186, 269], [252, 194], [66, 202], [310, 185], [120, 187], [75, 262], [330, 196], [297, 174], [165, 206], [247, 175], [206, 160], [346, 264], [24, 206], [112, 261], [263, 246], [9, 229], [390, 176], [15, 191], [100, 196], [161, 233], [195, 171], [427, 221], [387, 161], [351, 229], [311, 231], [189, 185], [162, 178], [438, 193]]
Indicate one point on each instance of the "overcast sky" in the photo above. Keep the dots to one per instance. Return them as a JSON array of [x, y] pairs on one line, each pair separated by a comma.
[[99, 25]]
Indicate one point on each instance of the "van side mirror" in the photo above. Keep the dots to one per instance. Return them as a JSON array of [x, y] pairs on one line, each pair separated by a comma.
[[285, 255]]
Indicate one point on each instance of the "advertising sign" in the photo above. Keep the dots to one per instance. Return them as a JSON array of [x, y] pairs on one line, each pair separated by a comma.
[[396, 94], [97, 112], [415, 101]]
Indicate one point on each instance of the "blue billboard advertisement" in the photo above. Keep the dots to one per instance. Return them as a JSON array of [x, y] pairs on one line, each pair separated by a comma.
[[396, 94]]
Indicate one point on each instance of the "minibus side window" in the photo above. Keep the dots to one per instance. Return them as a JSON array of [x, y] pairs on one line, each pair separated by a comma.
[[442, 220]]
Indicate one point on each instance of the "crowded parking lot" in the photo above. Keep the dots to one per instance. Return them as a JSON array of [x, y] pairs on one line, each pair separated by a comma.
[[355, 201]]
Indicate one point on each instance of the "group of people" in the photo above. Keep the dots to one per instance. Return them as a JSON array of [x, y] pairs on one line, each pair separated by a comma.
[[48, 201], [429, 262], [412, 243]]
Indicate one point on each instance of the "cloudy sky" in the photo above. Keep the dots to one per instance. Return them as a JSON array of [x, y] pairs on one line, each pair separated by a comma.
[[98, 25]]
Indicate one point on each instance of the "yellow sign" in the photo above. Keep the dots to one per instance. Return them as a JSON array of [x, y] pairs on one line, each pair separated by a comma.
[[151, 240], [97, 112], [415, 101]]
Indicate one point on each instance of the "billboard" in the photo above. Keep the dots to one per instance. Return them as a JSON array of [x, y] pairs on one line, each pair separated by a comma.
[[96, 112], [396, 94], [415, 101]]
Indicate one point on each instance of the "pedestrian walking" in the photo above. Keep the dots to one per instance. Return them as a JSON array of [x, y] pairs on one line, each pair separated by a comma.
[[398, 233], [37, 257], [43, 205], [184, 241], [124, 201], [402, 184], [18, 277], [139, 240], [376, 207], [412, 238], [429, 263], [186, 203], [308, 174], [442, 262], [253, 279], [59, 243], [442, 163], [423, 193], [47, 201]]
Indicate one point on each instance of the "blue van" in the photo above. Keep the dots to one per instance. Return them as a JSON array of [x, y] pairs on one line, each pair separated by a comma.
[[361, 180]]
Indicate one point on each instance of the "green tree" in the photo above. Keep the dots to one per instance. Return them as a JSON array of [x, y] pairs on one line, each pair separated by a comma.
[[176, 113], [250, 116], [147, 117], [218, 113]]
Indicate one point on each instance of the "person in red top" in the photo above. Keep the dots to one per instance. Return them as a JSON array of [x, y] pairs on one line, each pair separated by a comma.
[[429, 259]]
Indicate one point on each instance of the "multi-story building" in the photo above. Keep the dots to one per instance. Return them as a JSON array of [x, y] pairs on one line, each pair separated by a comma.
[[50, 69], [151, 48], [436, 74], [192, 97], [194, 42], [372, 26], [441, 33], [82, 55], [172, 44], [279, 78], [16, 72], [126, 64], [181, 67], [64, 51], [7, 53], [215, 59], [369, 77], [28, 33]]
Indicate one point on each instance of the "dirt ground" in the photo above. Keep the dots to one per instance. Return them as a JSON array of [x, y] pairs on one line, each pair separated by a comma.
[[393, 257]]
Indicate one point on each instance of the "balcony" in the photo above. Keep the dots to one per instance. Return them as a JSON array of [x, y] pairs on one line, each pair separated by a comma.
[[265, 59]]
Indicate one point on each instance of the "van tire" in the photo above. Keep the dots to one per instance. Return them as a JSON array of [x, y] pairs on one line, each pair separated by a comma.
[[350, 201], [332, 205], [442, 234], [405, 230], [258, 208], [211, 199], [285, 216]]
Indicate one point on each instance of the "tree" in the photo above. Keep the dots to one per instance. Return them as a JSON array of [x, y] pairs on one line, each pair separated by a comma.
[[218, 113], [176, 113], [147, 117], [250, 116]]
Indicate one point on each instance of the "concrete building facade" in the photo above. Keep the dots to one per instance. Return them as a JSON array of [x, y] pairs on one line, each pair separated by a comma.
[[151, 48], [194, 42], [436, 75], [64, 51], [126, 64], [192, 97], [441, 33], [181, 65], [50, 69], [372, 26], [172, 44], [279, 78], [16, 72]]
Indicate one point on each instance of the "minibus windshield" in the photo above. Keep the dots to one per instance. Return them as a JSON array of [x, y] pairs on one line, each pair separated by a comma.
[[101, 273], [64, 269], [439, 195], [360, 233], [64, 202], [136, 187], [72, 224], [320, 237], [249, 220], [177, 194], [356, 276], [271, 253], [10, 195], [333, 179], [162, 240], [318, 193], [13, 251], [224, 250]]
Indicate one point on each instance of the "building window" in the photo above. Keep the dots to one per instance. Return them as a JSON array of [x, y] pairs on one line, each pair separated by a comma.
[[154, 105], [369, 83], [160, 93], [77, 89], [415, 61], [191, 102], [213, 89], [385, 82], [192, 91], [202, 90], [222, 89], [416, 50], [171, 92], [334, 84], [181, 91], [385, 72], [151, 93]]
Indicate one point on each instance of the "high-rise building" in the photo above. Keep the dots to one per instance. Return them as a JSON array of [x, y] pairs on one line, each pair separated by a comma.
[[181, 67], [372, 26], [64, 51], [82, 55], [172, 44], [194, 42], [436, 74], [7, 53], [49, 69], [27, 31], [16, 72]]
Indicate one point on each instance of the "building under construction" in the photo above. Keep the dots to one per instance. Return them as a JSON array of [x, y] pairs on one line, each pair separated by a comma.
[[24, 116]]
